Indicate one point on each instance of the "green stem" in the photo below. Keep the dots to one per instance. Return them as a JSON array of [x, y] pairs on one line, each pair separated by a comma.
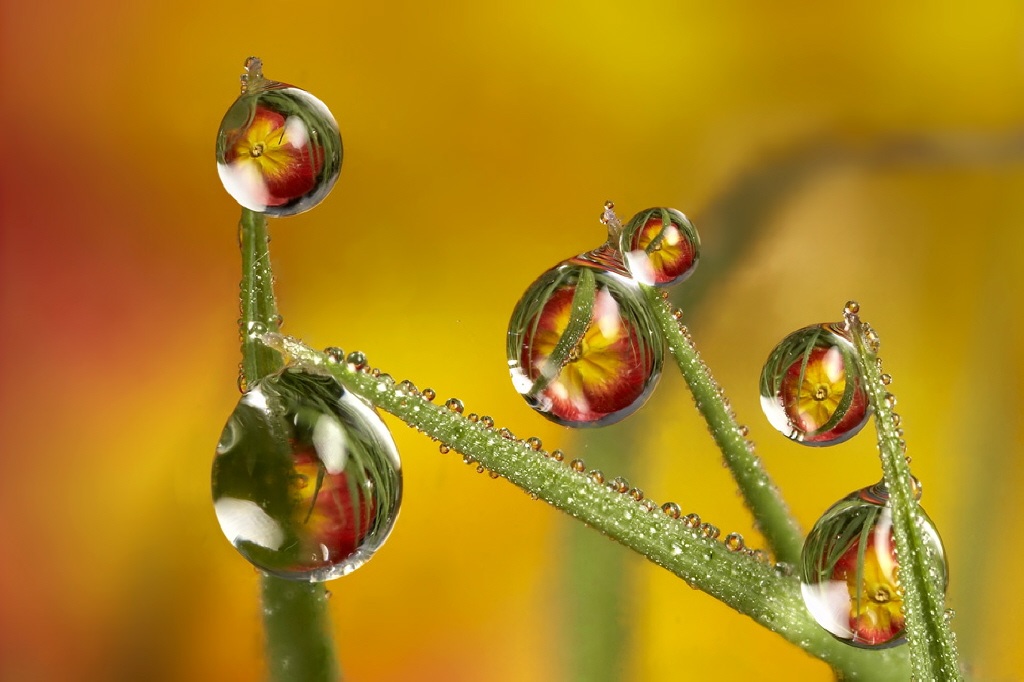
[[933, 651], [771, 516], [749, 586], [580, 313], [300, 646], [257, 306], [601, 633], [296, 622]]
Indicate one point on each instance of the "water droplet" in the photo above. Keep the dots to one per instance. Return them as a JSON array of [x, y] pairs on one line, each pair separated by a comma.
[[889, 400], [328, 594], [466, 459], [734, 542], [487, 421], [429, 394], [493, 474], [852, 308], [874, 343], [583, 348], [709, 531], [916, 489], [671, 510], [577, 466], [648, 505], [618, 484], [278, 149], [306, 479], [506, 434], [886, 379], [692, 521], [357, 359], [896, 419], [948, 615], [636, 494], [557, 455], [454, 404], [596, 476], [677, 314], [480, 469], [473, 417], [811, 390], [534, 443], [255, 330], [444, 449], [760, 555], [849, 570], [744, 431], [661, 247]]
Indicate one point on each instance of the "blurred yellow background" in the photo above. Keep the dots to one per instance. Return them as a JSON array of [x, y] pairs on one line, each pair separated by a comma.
[[825, 153]]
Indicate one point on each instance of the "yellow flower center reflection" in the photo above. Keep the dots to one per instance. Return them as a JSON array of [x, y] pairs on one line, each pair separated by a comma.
[[876, 605], [271, 145], [602, 373], [667, 250], [822, 388]]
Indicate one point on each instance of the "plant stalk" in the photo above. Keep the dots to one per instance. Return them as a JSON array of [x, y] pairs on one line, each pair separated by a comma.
[[762, 497], [933, 651], [299, 641], [752, 587]]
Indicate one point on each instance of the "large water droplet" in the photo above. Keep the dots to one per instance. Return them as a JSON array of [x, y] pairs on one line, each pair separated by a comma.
[[306, 480], [278, 148], [660, 246], [849, 569], [582, 347], [811, 388]]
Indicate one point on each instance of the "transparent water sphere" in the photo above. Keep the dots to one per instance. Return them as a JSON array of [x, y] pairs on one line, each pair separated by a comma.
[[660, 246], [306, 480], [279, 151], [582, 347], [850, 572], [811, 387]]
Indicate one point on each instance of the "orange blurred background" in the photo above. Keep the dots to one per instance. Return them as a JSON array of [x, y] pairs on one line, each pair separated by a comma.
[[825, 153]]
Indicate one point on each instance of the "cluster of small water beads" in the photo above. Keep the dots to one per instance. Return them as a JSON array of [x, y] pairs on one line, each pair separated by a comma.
[[813, 391], [692, 522]]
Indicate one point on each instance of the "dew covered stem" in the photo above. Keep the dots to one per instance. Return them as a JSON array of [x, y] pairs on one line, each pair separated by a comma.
[[932, 647], [257, 305], [759, 491], [751, 587], [297, 626]]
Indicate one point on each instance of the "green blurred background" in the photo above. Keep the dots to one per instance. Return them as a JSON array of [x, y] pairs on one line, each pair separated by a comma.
[[825, 153]]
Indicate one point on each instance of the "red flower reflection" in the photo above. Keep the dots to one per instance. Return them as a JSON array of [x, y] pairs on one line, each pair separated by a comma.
[[811, 402], [275, 157], [605, 373]]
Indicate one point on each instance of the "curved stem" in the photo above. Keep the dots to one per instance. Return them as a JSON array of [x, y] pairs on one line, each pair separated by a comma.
[[751, 587], [932, 648], [771, 516], [300, 646]]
